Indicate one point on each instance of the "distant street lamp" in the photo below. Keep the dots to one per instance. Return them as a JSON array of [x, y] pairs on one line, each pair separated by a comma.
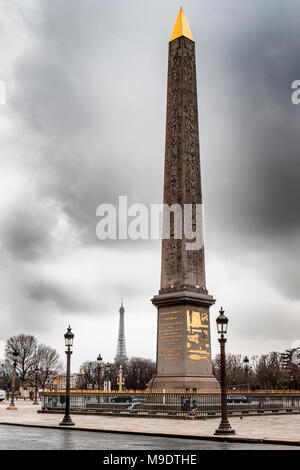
[[46, 381], [69, 337], [36, 371], [99, 360], [246, 368], [107, 376], [222, 324], [13, 383], [2, 376]]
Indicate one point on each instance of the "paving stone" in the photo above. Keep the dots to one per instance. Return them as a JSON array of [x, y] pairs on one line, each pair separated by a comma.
[[284, 427]]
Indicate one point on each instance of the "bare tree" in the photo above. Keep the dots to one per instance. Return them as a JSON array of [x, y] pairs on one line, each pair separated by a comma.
[[235, 372], [89, 376], [26, 346], [5, 375], [113, 374], [266, 371], [138, 372], [49, 364], [269, 371], [32, 355], [291, 370]]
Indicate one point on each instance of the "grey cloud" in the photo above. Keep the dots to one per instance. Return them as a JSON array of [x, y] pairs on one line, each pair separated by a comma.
[[83, 98], [65, 298], [250, 143], [26, 232]]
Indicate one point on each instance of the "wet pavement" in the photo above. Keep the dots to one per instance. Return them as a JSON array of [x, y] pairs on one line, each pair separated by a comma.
[[26, 438]]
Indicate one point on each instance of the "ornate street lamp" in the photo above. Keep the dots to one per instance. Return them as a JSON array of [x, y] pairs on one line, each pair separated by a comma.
[[246, 368], [36, 371], [107, 376], [69, 336], [13, 383], [99, 360], [2, 375], [222, 324]]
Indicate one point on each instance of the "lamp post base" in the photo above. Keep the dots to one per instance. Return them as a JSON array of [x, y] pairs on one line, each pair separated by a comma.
[[11, 407], [67, 421], [224, 428]]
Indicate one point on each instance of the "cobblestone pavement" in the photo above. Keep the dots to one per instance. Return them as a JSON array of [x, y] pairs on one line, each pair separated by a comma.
[[21, 438], [283, 427]]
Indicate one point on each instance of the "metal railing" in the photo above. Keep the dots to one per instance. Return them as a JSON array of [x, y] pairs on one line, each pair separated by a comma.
[[173, 403]]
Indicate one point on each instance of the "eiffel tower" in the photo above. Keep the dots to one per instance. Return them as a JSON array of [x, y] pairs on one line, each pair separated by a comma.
[[121, 355]]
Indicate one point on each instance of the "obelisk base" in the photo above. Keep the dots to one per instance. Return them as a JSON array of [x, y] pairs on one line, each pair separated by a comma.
[[185, 383], [183, 342]]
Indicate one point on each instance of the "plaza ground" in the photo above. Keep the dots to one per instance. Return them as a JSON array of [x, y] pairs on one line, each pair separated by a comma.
[[266, 429], [22, 438]]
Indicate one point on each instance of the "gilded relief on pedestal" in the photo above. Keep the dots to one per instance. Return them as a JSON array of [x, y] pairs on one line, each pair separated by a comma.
[[198, 343]]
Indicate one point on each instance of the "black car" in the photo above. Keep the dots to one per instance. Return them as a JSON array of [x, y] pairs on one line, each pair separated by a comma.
[[121, 400], [237, 399]]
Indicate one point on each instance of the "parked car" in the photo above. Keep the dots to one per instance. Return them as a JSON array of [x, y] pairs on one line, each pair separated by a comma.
[[121, 400], [237, 399], [2, 395]]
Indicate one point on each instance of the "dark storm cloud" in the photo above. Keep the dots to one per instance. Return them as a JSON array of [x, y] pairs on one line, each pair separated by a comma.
[[67, 296], [60, 295], [82, 92], [265, 170], [88, 103], [27, 230], [254, 197], [27, 239]]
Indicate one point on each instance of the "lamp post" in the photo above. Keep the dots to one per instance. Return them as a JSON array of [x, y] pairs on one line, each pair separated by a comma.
[[224, 426], [2, 375], [246, 367], [99, 360], [69, 337], [13, 383], [36, 371], [46, 382], [234, 383], [137, 375], [107, 376]]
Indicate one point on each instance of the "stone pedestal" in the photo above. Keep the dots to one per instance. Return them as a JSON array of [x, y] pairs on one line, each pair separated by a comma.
[[183, 342]]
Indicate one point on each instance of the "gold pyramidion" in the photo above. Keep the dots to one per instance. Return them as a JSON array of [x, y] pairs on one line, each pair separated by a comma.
[[181, 27]]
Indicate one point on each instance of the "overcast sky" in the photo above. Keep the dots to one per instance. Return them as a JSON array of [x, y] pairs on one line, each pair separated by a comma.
[[84, 123]]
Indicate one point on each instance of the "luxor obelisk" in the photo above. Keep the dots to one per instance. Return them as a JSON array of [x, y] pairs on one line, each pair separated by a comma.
[[183, 328]]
